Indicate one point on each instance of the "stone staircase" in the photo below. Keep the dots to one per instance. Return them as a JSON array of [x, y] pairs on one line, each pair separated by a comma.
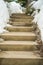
[[20, 46]]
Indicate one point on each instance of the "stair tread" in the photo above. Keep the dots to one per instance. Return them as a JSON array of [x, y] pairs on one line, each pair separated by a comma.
[[20, 26], [18, 43], [18, 46], [18, 34], [19, 54]]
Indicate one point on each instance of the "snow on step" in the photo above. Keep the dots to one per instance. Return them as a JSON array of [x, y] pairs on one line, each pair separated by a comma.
[[19, 58], [20, 28], [18, 45], [19, 36]]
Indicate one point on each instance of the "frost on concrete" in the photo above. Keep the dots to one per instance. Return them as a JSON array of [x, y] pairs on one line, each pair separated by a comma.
[[15, 7], [4, 16], [38, 4], [39, 16], [5, 10]]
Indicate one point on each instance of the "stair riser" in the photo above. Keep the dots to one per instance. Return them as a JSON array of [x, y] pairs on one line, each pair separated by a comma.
[[11, 61], [19, 38], [19, 29], [18, 47]]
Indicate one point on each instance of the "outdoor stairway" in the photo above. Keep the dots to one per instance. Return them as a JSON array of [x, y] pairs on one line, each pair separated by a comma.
[[20, 45]]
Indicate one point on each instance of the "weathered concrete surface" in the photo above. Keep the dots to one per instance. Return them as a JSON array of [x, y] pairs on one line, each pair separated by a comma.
[[20, 28], [19, 36], [18, 46], [19, 58]]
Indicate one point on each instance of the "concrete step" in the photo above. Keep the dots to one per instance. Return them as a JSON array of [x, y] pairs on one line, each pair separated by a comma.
[[19, 58], [19, 28], [21, 23], [20, 20], [18, 46], [22, 16], [19, 36]]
